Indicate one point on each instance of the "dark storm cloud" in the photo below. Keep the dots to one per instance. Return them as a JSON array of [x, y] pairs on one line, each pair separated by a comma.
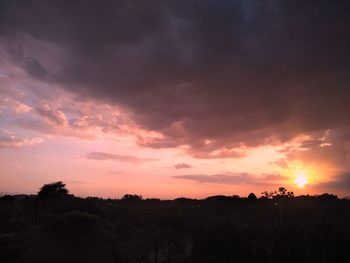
[[33, 67], [231, 72]]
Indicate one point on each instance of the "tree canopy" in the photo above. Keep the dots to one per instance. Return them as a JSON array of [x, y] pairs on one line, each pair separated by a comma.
[[53, 190]]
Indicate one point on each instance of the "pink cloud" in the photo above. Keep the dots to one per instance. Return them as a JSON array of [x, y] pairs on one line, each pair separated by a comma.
[[234, 178], [11, 97], [54, 116], [8, 140], [103, 156], [182, 166]]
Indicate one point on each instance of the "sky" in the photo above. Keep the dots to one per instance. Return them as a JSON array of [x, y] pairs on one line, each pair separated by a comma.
[[174, 99]]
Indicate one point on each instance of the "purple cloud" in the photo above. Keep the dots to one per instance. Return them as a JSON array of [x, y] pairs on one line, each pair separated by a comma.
[[182, 166], [233, 178], [56, 117], [8, 140], [225, 72], [103, 156]]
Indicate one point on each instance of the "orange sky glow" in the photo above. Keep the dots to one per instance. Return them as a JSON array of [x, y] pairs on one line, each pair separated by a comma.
[[108, 160]]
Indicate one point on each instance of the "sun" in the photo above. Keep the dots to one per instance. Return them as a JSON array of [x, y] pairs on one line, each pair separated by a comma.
[[301, 179]]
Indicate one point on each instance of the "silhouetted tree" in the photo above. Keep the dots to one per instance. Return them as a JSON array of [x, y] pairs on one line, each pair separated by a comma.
[[130, 197], [327, 196], [53, 190], [252, 197], [283, 193], [267, 194], [7, 198], [280, 193]]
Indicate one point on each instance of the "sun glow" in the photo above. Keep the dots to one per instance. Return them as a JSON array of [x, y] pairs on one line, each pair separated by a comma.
[[301, 179]]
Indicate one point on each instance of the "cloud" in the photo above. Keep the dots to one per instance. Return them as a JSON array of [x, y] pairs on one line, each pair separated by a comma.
[[182, 166], [10, 97], [331, 147], [56, 117], [51, 129], [34, 68], [233, 178], [340, 182], [21, 107], [8, 140], [235, 73], [80, 182], [65, 116], [281, 163], [103, 156], [205, 153]]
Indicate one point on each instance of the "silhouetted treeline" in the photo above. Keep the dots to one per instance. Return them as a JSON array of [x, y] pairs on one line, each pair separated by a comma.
[[57, 227]]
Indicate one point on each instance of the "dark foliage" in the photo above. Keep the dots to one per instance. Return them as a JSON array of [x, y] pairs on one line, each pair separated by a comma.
[[252, 197], [53, 191], [132, 198], [277, 228]]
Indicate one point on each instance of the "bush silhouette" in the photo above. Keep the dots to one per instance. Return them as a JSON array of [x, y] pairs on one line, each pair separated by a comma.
[[252, 197], [131, 198], [53, 191]]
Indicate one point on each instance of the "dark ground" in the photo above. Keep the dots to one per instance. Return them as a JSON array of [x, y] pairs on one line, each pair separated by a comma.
[[217, 229]]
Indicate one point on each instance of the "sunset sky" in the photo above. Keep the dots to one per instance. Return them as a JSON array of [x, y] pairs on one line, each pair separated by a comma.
[[175, 98]]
